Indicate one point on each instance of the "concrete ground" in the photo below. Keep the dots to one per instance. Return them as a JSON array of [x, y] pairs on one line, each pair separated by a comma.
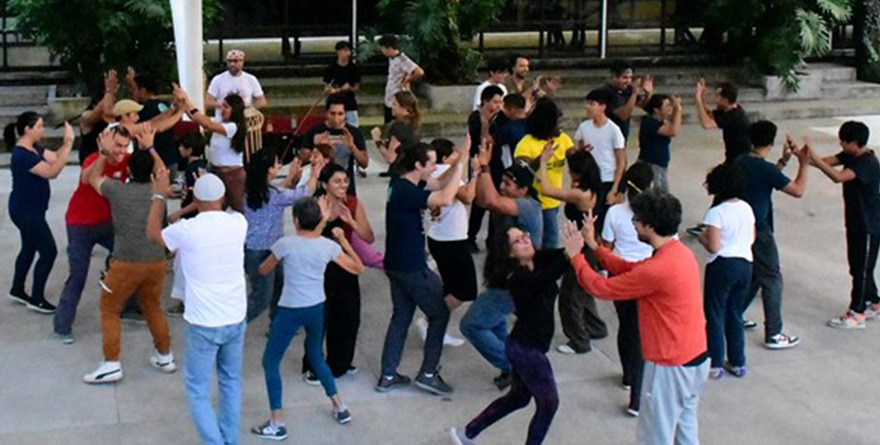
[[821, 392]]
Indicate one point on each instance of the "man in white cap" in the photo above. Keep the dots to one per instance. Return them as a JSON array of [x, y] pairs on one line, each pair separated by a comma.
[[234, 81], [127, 115], [211, 249]]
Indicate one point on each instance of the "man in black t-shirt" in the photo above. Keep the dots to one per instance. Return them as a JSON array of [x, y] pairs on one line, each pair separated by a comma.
[[342, 77], [860, 176], [143, 89], [728, 116], [626, 94], [348, 142]]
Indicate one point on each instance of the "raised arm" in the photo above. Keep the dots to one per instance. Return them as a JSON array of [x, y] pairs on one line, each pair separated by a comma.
[[826, 165], [625, 111], [194, 114], [487, 195], [358, 222], [51, 168], [360, 156], [672, 127], [161, 189], [446, 195], [570, 195], [706, 119], [797, 187], [104, 107]]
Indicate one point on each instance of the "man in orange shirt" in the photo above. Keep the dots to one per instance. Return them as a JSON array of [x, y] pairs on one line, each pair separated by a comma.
[[672, 326]]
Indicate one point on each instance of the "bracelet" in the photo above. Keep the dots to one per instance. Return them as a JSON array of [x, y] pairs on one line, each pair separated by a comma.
[[158, 196], [193, 111]]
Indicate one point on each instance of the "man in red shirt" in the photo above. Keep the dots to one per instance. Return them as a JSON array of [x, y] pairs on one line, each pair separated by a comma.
[[672, 326], [88, 223]]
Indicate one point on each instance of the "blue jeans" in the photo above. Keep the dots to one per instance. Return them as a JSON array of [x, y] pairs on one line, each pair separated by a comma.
[[725, 286], [206, 348], [351, 118], [766, 277], [551, 228], [265, 289], [286, 323], [36, 237], [485, 326], [81, 239], [409, 290]]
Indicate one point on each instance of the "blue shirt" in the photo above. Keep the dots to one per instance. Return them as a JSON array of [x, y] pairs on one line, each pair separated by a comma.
[[404, 232], [266, 224], [761, 178], [653, 147], [30, 192]]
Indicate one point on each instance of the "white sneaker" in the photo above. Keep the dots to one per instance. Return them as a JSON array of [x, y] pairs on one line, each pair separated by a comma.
[[164, 363], [448, 340], [107, 372]]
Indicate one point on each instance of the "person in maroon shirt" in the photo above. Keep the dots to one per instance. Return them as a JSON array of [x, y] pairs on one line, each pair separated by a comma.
[[88, 223]]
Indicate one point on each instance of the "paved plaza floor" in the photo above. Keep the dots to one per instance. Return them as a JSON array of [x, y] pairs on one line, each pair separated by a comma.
[[821, 392]]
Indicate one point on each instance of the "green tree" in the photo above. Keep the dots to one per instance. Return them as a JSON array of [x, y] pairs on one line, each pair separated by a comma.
[[437, 33], [866, 14], [774, 37], [90, 36]]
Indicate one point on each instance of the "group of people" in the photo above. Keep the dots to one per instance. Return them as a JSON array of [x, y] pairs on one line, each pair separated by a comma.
[[617, 239]]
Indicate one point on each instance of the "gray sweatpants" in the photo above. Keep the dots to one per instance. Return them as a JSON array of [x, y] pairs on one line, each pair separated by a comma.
[[670, 395]]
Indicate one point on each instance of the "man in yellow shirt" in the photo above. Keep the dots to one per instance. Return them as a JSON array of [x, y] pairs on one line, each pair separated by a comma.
[[542, 127]]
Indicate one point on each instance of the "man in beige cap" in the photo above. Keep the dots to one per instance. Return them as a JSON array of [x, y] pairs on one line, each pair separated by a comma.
[[126, 113], [235, 81], [211, 249]]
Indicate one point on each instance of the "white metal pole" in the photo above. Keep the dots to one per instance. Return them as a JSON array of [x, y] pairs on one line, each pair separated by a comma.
[[188, 40], [603, 30]]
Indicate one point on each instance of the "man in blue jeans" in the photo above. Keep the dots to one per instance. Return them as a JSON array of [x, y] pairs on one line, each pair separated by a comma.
[[211, 246], [485, 323]]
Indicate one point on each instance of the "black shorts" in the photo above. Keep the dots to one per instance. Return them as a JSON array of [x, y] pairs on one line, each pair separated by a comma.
[[456, 267]]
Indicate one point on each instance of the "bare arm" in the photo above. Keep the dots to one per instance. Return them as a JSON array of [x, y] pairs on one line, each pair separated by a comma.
[[672, 127], [445, 196], [488, 197], [260, 102], [711, 239], [836, 175], [54, 163], [619, 168], [625, 112], [348, 259], [157, 208], [269, 264], [211, 102], [706, 119], [797, 187]]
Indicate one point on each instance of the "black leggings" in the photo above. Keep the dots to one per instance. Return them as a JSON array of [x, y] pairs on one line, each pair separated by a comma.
[[456, 267], [36, 237], [342, 319]]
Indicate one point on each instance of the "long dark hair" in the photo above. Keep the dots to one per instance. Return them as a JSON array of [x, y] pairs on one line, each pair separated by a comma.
[[636, 180], [409, 155], [543, 122], [499, 264], [583, 164], [16, 129], [237, 117], [257, 180]]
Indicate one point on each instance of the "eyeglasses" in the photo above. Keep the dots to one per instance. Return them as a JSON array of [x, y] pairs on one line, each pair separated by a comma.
[[234, 60], [522, 240]]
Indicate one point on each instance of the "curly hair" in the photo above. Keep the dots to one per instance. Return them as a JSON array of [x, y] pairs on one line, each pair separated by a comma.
[[658, 210]]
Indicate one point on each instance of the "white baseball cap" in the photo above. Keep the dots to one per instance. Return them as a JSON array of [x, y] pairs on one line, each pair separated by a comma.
[[209, 188]]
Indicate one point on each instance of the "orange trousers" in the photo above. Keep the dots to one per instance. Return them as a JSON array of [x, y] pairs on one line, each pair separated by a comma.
[[123, 280]]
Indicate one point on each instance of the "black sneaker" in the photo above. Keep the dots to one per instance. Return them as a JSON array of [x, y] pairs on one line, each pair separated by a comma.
[[268, 431], [385, 174], [341, 414], [352, 370], [749, 324], [387, 383], [19, 297], [503, 381], [433, 383], [42, 306], [310, 378]]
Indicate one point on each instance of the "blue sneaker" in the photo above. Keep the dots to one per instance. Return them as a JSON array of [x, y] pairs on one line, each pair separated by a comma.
[[267, 430]]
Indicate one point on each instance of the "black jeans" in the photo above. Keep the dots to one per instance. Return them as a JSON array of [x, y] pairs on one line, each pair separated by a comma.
[[861, 254], [36, 237], [766, 277], [578, 314], [342, 319], [629, 347]]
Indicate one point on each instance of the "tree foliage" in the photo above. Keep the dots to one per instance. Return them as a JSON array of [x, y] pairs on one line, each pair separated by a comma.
[[90, 36], [775, 36]]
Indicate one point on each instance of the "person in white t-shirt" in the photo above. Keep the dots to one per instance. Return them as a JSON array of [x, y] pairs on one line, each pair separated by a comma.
[[227, 142], [211, 249], [448, 241], [234, 81], [619, 234], [497, 75], [729, 234], [304, 257], [604, 140]]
